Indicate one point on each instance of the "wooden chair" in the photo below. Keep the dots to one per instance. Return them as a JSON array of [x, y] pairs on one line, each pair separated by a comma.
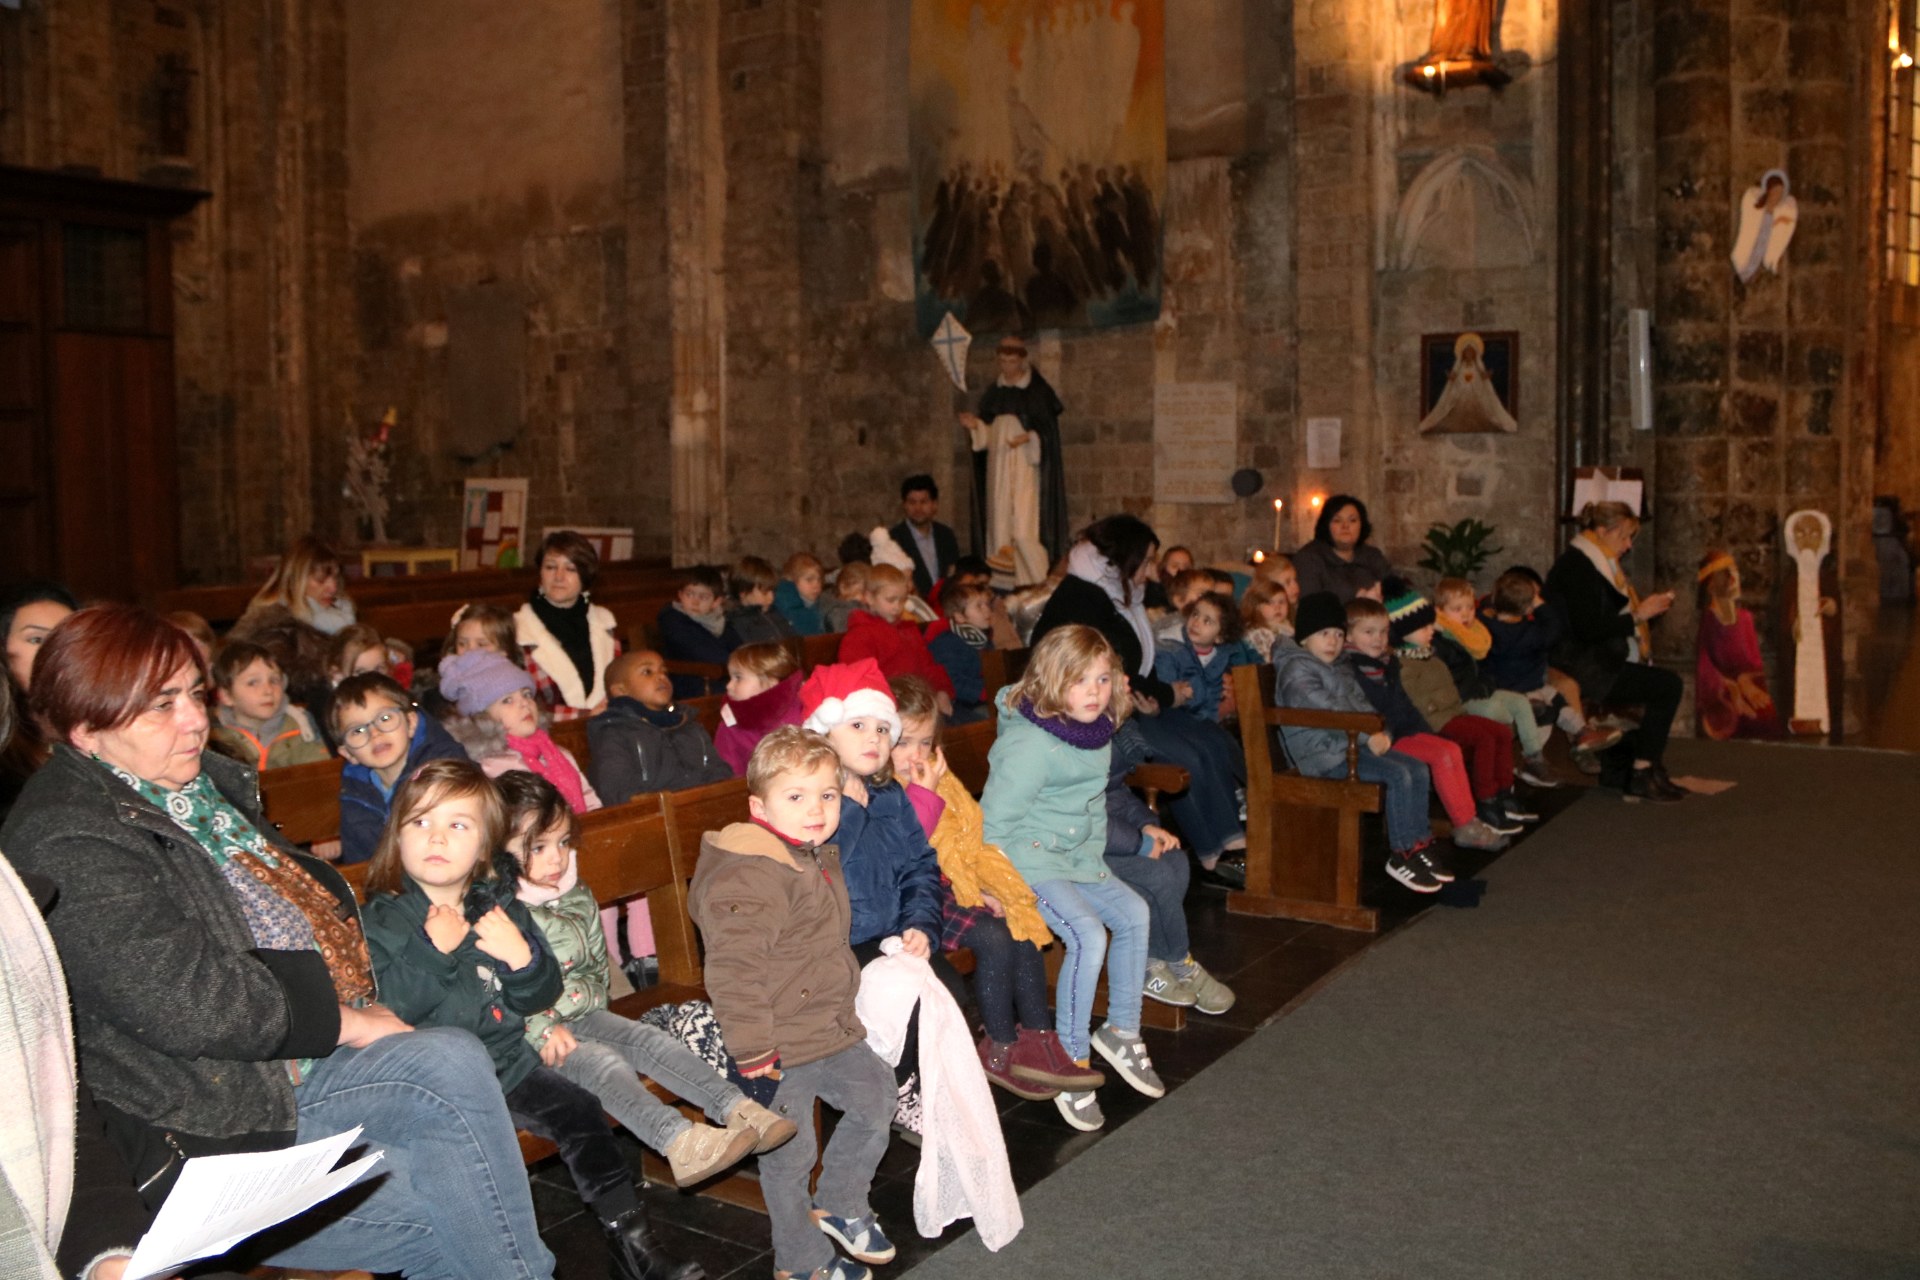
[[1303, 834], [303, 800]]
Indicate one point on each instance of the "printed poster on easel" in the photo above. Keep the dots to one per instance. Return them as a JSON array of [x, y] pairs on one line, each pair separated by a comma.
[[493, 522]]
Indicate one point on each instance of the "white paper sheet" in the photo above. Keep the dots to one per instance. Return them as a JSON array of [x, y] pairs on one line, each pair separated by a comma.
[[221, 1200]]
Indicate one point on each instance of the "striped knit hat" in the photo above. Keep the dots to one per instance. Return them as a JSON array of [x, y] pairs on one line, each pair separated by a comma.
[[1406, 614]]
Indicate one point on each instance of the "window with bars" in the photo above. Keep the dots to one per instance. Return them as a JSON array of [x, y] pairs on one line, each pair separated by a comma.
[[1903, 147]]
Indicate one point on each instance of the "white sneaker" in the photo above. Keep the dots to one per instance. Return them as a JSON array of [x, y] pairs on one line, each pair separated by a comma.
[[1129, 1058]]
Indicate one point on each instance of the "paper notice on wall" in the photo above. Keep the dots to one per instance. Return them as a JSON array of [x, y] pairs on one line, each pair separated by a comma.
[[1195, 428], [1323, 444]]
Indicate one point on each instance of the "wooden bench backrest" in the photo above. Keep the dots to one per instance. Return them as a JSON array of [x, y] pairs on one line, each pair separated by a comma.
[[626, 851], [818, 651], [572, 735], [966, 748], [424, 623], [708, 710], [303, 800], [690, 815]]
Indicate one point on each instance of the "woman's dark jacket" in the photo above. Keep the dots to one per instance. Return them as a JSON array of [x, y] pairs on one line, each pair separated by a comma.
[[182, 1022], [1320, 568], [1077, 601], [1594, 646]]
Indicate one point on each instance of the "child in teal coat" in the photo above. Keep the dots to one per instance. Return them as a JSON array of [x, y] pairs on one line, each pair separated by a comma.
[[1045, 807]]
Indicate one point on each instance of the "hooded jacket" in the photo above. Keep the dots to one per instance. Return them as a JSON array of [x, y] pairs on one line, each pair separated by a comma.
[[364, 802], [296, 741], [683, 639], [1518, 659], [464, 988], [1045, 803], [896, 646], [743, 724], [569, 921], [961, 662], [1430, 687], [1462, 666], [1302, 680], [774, 917], [893, 877], [636, 751], [805, 618]]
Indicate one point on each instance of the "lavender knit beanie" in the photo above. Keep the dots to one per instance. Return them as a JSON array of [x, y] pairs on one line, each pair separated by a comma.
[[478, 678]]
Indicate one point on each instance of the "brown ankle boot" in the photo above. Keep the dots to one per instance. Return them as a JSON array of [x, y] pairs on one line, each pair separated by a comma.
[[1040, 1057], [997, 1059]]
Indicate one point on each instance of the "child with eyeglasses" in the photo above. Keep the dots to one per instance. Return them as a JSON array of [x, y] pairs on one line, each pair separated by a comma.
[[383, 740]]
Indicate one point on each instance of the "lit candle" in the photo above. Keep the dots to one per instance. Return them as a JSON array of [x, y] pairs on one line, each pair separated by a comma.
[[1278, 503]]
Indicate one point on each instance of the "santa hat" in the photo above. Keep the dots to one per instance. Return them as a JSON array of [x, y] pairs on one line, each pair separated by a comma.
[[887, 551], [843, 691]]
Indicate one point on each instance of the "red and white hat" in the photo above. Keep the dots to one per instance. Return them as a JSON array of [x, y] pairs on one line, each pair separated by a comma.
[[843, 691]]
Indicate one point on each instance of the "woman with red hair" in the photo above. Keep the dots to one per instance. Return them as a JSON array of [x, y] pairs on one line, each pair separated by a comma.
[[222, 994]]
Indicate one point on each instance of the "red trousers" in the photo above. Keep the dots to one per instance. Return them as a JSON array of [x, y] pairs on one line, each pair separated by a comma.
[[1448, 766], [1489, 748]]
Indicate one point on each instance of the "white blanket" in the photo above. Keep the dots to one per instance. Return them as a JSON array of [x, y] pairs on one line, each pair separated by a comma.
[[963, 1156]]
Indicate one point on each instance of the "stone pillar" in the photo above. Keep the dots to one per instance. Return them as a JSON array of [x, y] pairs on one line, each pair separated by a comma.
[[696, 184], [1333, 247]]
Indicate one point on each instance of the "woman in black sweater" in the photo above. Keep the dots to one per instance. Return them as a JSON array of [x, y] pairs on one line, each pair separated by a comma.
[[1607, 648], [1107, 571]]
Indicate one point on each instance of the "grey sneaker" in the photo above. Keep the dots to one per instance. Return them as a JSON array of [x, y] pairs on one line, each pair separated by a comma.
[[1210, 995], [1081, 1110], [1166, 986], [1129, 1058], [1478, 835]]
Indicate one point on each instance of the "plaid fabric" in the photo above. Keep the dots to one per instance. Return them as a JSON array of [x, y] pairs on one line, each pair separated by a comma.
[[548, 692], [957, 921]]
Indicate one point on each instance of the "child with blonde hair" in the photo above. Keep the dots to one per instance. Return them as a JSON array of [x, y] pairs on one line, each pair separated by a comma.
[[849, 594], [1045, 807], [356, 650], [307, 584], [1268, 612], [763, 693]]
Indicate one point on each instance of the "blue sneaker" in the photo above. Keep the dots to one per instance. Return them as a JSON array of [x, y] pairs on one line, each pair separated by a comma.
[[838, 1269], [860, 1237]]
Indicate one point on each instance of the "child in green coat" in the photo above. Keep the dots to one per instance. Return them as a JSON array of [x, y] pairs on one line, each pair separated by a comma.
[[452, 948], [597, 1049], [1045, 806]]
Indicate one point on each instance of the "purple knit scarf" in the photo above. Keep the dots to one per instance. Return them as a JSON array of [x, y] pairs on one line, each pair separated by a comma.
[[1087, 737]]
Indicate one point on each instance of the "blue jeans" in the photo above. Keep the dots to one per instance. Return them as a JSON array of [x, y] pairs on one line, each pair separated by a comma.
[[1405, 782], [1207, 812], [1075, 911], [451, 1199], [1162, 882]]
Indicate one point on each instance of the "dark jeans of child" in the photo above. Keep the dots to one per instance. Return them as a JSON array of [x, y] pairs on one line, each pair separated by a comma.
[[553, 1107], [1162, 881], [867, 952], [855, 1083], [1009, 980]]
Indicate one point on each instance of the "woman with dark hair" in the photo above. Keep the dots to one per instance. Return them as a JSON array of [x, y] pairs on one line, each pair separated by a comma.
[[1107, 572], [567, 641], [30, 613], [1607, 647], [222, 991], [1340, 559]]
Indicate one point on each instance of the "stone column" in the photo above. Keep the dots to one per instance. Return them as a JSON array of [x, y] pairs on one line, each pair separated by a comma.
[[696, 182]]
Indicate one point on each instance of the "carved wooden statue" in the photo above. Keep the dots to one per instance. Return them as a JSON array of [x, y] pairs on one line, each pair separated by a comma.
[[1809, 541]]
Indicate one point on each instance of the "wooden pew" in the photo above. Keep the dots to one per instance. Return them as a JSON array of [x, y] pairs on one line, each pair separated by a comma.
[[303, 800], [818, 651], [1303, 834], [572, 735]]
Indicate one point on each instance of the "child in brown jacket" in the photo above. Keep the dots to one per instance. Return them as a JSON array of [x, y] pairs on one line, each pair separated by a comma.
[[771, 904]]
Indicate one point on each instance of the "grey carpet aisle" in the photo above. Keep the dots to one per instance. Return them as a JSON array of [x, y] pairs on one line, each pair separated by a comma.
[[1672, 1041]]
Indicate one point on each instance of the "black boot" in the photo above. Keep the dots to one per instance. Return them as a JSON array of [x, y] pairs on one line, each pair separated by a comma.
[[637, 1253]]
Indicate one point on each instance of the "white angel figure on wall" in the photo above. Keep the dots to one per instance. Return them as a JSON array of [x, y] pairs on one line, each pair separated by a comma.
[[1469, 403], [1768, 213]]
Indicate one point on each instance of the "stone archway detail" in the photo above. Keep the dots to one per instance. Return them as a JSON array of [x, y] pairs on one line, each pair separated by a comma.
[[1465, 210]]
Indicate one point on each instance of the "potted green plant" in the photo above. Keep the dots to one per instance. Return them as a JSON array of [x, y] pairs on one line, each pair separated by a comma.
[[1459, 550]]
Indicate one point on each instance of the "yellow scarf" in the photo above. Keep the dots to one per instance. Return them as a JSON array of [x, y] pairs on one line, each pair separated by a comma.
[[970, 864], [1624, 585], [1472, 635]]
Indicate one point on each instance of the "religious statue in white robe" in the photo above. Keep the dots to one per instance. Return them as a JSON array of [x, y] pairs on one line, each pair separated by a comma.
[[1012, 494]]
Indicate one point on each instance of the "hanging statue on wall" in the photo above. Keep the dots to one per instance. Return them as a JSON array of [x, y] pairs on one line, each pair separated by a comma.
[[1461, 51], [1813, 611], [1768, 213]]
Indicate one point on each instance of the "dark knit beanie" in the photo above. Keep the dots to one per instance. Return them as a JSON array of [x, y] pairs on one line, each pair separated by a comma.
[[1318, 612], [1408, 613]]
